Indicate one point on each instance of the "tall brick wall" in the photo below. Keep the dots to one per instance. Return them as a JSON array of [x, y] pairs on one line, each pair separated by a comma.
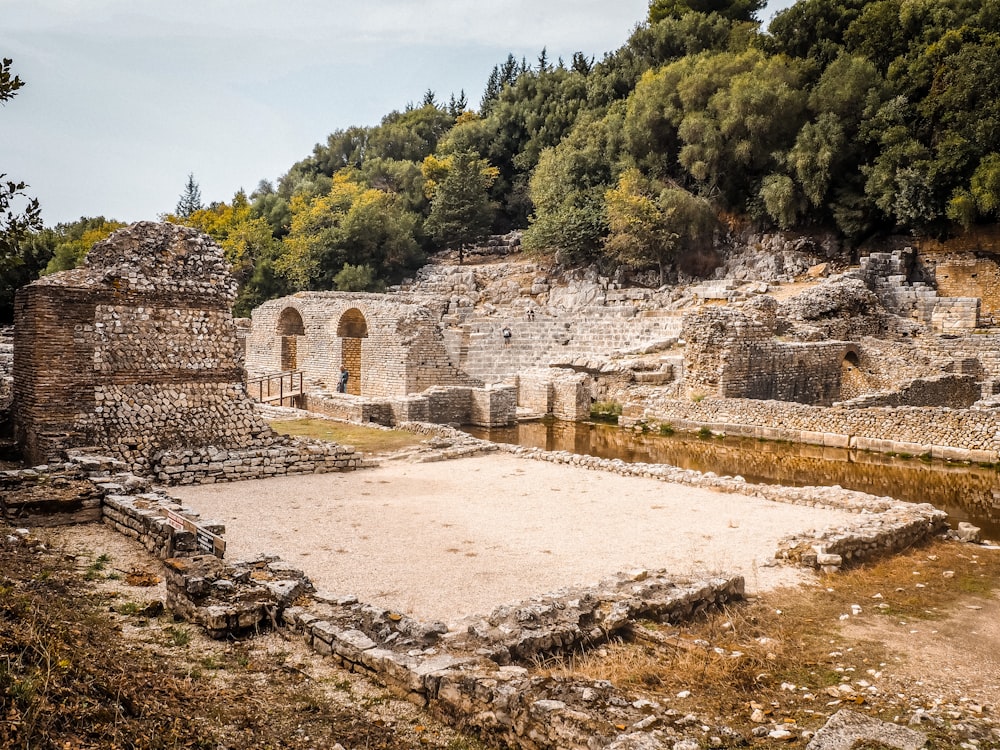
[[135, 352]]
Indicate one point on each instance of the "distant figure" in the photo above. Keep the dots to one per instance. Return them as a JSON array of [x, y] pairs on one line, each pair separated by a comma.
[[531, 313], [505, 332], [342, 383]]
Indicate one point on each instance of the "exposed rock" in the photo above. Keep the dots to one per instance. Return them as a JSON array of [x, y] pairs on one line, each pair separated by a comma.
[[845, 728]]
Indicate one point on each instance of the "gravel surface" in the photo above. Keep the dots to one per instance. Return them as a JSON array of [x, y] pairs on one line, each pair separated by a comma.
[[449, 539]]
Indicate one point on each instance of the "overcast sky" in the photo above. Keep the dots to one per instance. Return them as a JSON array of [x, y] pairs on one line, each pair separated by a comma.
[[123, 98]]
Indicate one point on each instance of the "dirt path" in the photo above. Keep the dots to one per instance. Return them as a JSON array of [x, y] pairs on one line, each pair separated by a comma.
[[449, 539]]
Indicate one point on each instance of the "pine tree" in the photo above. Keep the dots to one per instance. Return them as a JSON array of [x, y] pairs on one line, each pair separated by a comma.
[[190, 200]]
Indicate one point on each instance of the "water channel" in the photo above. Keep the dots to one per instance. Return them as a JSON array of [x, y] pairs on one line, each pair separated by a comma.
[[967, 493]]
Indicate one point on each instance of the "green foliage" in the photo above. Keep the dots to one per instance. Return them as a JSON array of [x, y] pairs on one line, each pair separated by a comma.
[[567, 189], [864, 115], [461, 211], [71, 242], [649, 224], [742, 10], [605, 411], [357, 279], [19, 214], [190, 200], [351, 224]]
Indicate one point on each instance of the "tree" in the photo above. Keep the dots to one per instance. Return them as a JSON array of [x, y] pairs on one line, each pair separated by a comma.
[[653, 228], [740, 10], [351, 224], [73, 240], [190, 200], [15, 222], [357, 279], [461, 210]]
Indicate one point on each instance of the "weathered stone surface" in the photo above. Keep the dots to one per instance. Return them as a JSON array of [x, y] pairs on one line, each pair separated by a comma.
[[845, 728]]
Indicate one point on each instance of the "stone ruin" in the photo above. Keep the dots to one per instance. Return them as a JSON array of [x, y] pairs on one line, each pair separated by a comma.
[[135, 355]]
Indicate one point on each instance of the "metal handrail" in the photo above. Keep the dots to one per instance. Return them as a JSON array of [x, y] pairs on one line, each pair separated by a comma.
[[266, 394]]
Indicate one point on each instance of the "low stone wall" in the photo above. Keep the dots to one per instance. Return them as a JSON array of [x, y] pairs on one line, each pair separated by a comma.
[[885, 526], [562, 393], [140, 517], [951, 434], [89, 488], [492, 406], [210, 465], [467, 676], [953, 391]]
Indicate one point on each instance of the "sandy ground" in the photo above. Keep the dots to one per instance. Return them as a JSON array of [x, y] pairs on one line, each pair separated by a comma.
[[455, 538]]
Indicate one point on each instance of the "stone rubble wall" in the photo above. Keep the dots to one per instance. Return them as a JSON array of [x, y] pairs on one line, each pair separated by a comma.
[[283, 456], [981, 347], [950, 390], [732, 353], [951, 434], [465, 675], [134, 352], [88, 488]]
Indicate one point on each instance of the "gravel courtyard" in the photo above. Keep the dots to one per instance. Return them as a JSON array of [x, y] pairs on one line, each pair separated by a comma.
[[448, 539]]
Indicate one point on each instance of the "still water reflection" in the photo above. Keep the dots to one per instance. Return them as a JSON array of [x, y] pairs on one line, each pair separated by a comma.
[[967, 493]]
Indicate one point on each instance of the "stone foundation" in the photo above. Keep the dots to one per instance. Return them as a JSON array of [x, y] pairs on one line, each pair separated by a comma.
[[493, 406], [950, 434]]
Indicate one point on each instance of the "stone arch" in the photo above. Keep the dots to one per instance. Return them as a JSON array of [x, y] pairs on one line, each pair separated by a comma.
[[290, 328], [853, 380], [352, 329], [290, 323], [352, 325]]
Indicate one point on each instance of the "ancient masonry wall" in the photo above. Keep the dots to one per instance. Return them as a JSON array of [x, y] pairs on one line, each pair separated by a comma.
[[134, 353], [476, 344], [562, 393], [951, 390], [982, 347], [965, 266], [492, 406], [731, 354], [395, 341], [887, 274], [953, 434]]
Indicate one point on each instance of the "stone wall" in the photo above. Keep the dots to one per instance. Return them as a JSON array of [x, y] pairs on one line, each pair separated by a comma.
[[889, 275], [953, 434], [491, 406], [133, 353], [955, 391], [477, 346], [732, 353], [965, 265], [394, 341], [563, 394]]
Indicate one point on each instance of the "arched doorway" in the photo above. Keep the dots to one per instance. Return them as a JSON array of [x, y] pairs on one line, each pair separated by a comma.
[[351, 329], [290, 327], [853, 382]]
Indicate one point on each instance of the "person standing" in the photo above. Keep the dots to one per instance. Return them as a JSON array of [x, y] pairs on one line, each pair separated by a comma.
[[342, 383]]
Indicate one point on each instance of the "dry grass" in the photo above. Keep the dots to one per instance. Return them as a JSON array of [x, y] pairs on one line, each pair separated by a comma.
[[784, 652], [71, 679], [365, 439]]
